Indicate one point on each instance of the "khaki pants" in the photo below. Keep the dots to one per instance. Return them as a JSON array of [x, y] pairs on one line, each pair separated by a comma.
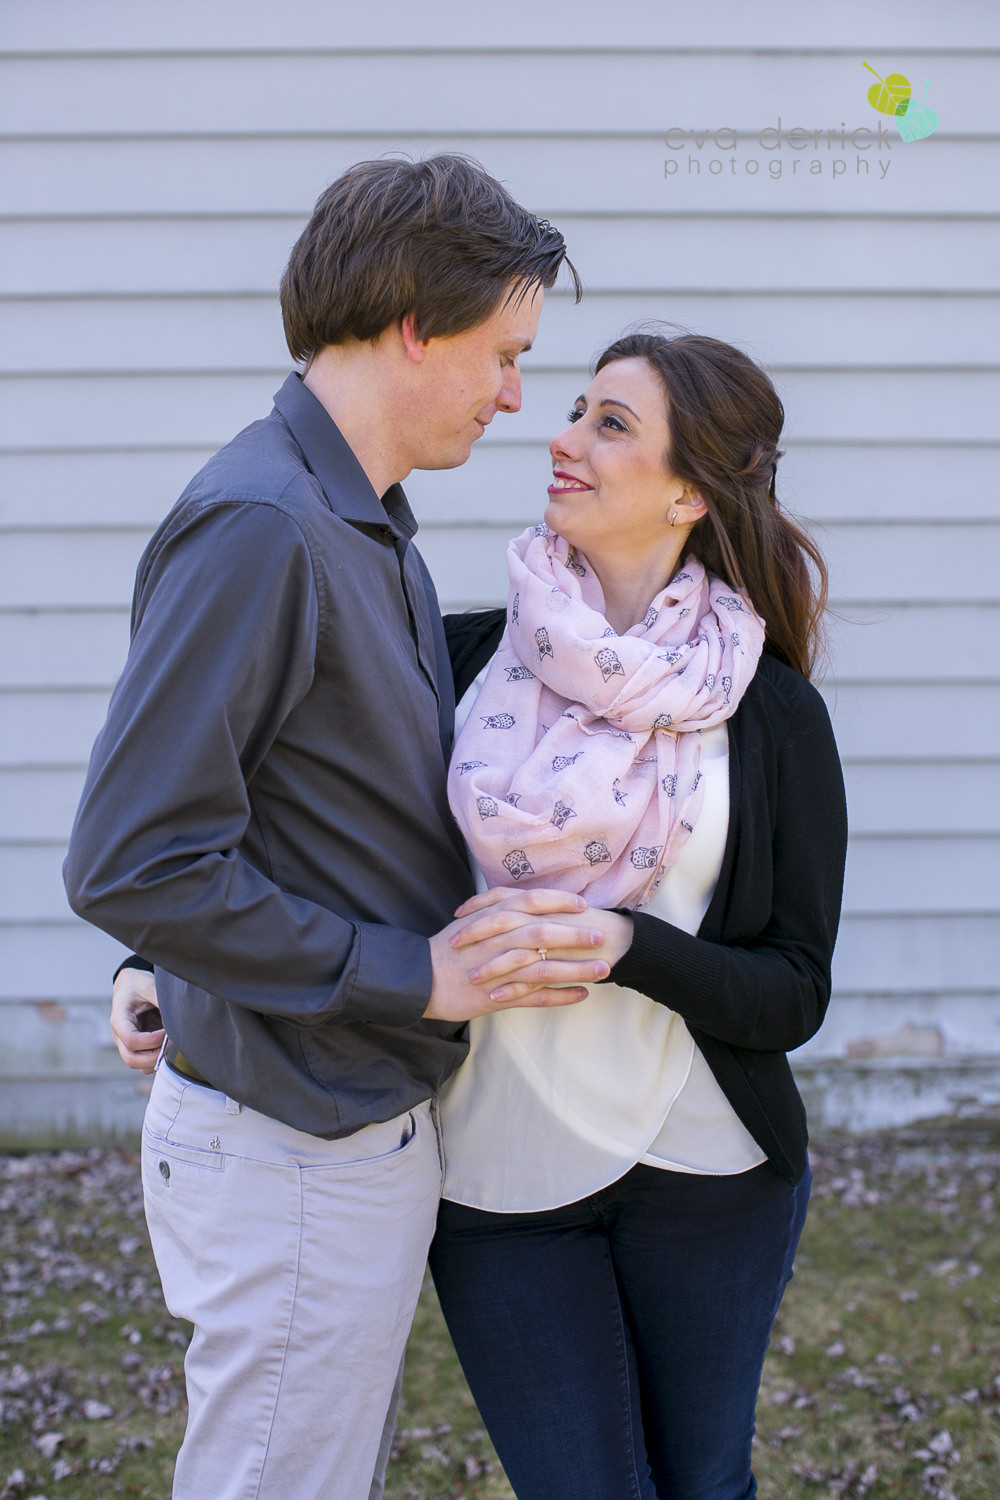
[[299, 1262]]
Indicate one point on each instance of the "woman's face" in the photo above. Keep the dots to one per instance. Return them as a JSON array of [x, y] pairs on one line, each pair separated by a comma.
[[611, 490]]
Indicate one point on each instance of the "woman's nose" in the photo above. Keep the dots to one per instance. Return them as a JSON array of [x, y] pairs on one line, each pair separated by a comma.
[[565, 444]]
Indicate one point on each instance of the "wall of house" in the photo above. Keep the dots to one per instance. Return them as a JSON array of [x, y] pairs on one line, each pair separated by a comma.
[[158, 162]]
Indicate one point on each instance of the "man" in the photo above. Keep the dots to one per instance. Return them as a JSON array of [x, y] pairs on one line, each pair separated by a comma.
[[265, 819]]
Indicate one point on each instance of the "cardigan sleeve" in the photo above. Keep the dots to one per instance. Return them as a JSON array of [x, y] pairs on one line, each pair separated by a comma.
[[134, 961], [761, 981], [472, 638]]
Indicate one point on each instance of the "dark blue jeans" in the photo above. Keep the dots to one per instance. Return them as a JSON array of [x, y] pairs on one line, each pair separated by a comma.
[[615, 1346]]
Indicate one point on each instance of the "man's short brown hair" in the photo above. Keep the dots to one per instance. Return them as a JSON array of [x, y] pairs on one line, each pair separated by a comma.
[[439, 239]]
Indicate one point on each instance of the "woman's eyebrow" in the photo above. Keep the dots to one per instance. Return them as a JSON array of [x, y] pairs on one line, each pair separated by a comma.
[[611, 401]]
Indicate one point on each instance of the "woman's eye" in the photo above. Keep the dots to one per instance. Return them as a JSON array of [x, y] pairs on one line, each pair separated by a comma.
[[574, 415], [614, 423]]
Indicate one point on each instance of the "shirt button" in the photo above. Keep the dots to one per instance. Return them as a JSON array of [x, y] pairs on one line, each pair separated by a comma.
[[165, 1171]]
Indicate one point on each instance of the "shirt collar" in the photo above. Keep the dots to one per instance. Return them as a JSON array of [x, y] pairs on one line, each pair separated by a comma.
[[332, 460]]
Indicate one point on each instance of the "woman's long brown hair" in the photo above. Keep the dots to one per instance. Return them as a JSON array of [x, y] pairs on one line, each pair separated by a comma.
[[725, 420]]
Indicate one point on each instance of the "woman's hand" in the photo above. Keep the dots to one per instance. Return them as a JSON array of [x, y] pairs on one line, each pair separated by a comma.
[[497, 937], [136, 1024], [497, 906], [512, 934]]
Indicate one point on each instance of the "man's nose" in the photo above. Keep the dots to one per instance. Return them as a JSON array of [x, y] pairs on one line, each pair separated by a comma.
[[509, 398]]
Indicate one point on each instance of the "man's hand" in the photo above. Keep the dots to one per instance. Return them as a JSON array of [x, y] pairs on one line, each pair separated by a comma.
[[488, 959], [136, 1023]]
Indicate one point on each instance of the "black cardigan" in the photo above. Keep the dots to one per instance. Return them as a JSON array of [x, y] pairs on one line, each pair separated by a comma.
[[755, 981]]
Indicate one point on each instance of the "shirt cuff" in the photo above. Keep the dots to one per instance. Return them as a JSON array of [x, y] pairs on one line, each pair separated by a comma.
[[393, 980]]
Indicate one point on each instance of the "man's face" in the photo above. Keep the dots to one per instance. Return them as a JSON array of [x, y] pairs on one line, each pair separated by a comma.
[[466, 379]]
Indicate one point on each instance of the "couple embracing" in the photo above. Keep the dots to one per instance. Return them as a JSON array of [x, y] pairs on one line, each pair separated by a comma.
[[485, 937]]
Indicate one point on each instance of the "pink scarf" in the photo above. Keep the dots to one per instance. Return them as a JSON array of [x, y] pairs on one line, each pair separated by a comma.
[[578, 767]]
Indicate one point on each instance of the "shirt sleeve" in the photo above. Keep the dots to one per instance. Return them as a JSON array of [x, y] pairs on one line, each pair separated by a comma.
[[225, 626], [767, 991]]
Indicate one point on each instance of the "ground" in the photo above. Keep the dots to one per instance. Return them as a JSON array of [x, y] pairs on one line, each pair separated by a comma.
[[883, 1378]]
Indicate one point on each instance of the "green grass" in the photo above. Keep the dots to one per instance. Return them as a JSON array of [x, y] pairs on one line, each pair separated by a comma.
[[883, 1378]]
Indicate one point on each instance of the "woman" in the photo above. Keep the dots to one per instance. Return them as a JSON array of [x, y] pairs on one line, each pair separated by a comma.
[[626, 1179]]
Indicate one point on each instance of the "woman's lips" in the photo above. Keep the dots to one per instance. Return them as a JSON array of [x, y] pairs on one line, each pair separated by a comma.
[[564, 484]]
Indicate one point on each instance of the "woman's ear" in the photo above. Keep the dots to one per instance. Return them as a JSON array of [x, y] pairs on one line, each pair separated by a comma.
[[688, 509]]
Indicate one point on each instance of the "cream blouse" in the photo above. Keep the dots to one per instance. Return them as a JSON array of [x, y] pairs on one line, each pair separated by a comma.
[[553, 1104]]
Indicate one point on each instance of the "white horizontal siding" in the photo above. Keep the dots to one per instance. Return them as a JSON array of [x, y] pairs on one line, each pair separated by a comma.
[[893, 954], [875, 481], [57, 1040], [969, 1026], [658, 253], [158, 164], [782, 331], [384, 93], [55, 26], [50, 728], [925, 562], [896, 874], [30, 876], [556, 175], [862, 404], [83, 643], [140, 410], [61, 961], [69, 568], [953, 796], [38, 804], [885, 797], [887, 564], [867, 562], [149, 410], [103, 487], [935, 641], [62, 648], [945, 721], [885, 954], [887, 875]]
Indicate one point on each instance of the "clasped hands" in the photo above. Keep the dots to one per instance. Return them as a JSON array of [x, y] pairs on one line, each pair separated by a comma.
[[522, 947], [505, 948]]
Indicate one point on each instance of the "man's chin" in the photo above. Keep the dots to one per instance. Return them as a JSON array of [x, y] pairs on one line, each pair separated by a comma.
[[453, 460]]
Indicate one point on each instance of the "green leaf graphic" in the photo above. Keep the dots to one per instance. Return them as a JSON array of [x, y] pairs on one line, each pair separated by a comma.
[[919, 121], [891, 95]]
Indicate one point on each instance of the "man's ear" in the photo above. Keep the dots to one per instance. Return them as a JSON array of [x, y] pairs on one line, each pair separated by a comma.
[[416, 348]]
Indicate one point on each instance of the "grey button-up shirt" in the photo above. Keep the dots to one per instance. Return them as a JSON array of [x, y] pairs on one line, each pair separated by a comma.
[[265, 815]]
